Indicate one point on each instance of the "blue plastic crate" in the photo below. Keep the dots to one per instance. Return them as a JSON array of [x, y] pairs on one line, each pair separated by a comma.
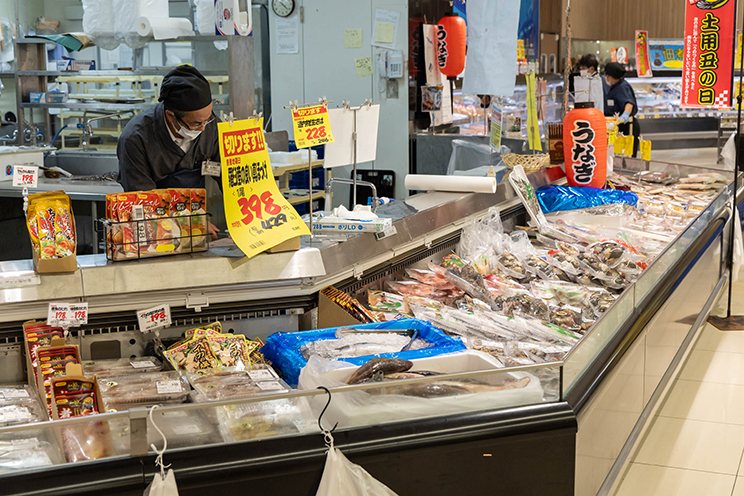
[[284, 349]]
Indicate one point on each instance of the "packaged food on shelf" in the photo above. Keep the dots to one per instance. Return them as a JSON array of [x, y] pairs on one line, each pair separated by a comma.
[[222, 384], [86, 441], [151, 388], [256, 420], [27, 450], [121, 366], [155, 223], [387, 302], [51, 226], [21, 411], [445, 395]]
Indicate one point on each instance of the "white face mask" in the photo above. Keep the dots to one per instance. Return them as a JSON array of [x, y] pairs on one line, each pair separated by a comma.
[[188, 134], [584, 72]]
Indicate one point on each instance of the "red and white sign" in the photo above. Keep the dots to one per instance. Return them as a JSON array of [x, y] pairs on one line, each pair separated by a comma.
[[154, 318], [710, 27], [67, 314], [25, 176]]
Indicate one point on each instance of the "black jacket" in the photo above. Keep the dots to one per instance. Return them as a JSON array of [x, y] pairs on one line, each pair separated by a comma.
[[149, 158]]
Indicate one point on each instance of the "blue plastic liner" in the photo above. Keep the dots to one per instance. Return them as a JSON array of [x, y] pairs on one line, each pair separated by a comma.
[[555, 198], [284, 349]]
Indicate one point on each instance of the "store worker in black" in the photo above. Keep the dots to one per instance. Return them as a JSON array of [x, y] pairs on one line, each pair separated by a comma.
[[620, 100], [173, 144]]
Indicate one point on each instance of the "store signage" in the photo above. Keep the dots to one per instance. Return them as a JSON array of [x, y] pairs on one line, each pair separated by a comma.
[[709, 53], [25, 176], [158, 317], [258, 215], [666, 55], [67, 315], [311, 126], [643, 58]]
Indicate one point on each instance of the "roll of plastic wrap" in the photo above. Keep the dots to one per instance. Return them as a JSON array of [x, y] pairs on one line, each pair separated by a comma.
[[459, 184], [163, 28]]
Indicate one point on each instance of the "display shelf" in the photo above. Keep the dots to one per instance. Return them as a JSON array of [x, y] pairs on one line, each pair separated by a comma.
[[89, 106]]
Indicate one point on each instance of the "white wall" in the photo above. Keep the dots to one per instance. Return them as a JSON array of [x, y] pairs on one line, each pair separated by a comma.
[[323, 67]]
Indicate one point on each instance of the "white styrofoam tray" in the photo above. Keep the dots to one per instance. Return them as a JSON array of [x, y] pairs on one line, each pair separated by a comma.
[[358, 408]]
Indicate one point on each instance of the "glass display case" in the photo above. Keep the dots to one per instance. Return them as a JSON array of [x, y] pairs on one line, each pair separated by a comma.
[[474, 120], [659, 97]]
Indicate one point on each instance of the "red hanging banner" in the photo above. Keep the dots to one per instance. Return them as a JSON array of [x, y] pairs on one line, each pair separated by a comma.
[[643, 59], [710, 26]]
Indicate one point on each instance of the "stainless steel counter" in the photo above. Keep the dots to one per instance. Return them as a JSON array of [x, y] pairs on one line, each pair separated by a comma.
[[193, 279]]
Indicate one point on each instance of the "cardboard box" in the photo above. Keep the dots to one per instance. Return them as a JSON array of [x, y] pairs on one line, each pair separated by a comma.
[[74, 372], [76, 65], [331, 314], [289, 245], [37, 97]]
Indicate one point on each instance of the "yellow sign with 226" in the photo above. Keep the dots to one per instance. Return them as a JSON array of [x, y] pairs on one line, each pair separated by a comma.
[[311, 126], [258, 215]]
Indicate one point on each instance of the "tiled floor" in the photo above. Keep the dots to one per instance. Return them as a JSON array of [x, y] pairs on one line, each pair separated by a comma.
[[695, 444]]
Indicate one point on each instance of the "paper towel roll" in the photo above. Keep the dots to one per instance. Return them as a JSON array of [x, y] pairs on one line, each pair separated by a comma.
[[164, 28], [459, 184]]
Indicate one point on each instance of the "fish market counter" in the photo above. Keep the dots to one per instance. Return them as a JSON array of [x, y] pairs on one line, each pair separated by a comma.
[[558, 425]]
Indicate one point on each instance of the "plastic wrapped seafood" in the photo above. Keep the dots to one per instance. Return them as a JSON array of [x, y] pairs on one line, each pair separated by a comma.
[[222, 384], [526, 305], [121, 366], [355, 344], [153, 388]]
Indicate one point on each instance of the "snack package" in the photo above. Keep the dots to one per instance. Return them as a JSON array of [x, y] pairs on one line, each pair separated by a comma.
[[199, 220], [230, 349], [351, 305], [195, 354], [50, 225]]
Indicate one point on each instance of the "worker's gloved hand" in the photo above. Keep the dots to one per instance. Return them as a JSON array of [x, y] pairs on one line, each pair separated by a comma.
[[623, 118]]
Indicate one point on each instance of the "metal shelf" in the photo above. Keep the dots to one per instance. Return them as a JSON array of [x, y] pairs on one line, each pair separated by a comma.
[[89, 106], [7, 74], [111, 72]]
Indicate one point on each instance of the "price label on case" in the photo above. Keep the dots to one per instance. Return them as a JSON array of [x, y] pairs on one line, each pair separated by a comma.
[[312, 126], [154, 318], [25, 176], [67, 314]]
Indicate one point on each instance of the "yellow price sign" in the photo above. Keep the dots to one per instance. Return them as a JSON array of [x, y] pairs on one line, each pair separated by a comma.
[[311, 126], [258, 215], [645, 147]]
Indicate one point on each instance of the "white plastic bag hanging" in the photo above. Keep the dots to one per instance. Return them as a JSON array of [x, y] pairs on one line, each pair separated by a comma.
[[162, 484], [163, 487], [728, 153], [340, 476]]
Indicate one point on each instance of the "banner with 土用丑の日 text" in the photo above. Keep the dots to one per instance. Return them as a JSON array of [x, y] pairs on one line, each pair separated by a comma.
[[710, 28], [258, 216]]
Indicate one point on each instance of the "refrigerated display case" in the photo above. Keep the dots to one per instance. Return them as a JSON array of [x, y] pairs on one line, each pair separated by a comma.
[[271, 442]]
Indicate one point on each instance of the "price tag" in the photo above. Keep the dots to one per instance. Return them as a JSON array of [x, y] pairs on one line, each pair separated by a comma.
[[261, 375], [154, 318], [258, 215], [142, 364], [67, 314], [25, 176], [168, 387], [19, 281], [390, 231], [311, 126], [270, 386], [186, 429], [13, 393]]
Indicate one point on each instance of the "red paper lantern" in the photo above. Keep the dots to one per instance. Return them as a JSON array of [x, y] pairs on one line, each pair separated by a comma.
[[451, 42], [585, 146]]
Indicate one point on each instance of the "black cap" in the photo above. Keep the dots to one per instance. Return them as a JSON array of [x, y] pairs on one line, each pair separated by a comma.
[[185, 89], [615, 70], [581, 105]]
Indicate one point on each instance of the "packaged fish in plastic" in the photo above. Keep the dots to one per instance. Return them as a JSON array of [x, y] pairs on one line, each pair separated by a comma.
[[600, 301], [429, 278], [414, 288], [601, 271], [567, 317], [387, 302], [470, 281]]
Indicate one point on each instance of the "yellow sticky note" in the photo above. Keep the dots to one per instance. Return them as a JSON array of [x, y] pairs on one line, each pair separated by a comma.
[[353, 38], [363, 66], [385, 32]]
